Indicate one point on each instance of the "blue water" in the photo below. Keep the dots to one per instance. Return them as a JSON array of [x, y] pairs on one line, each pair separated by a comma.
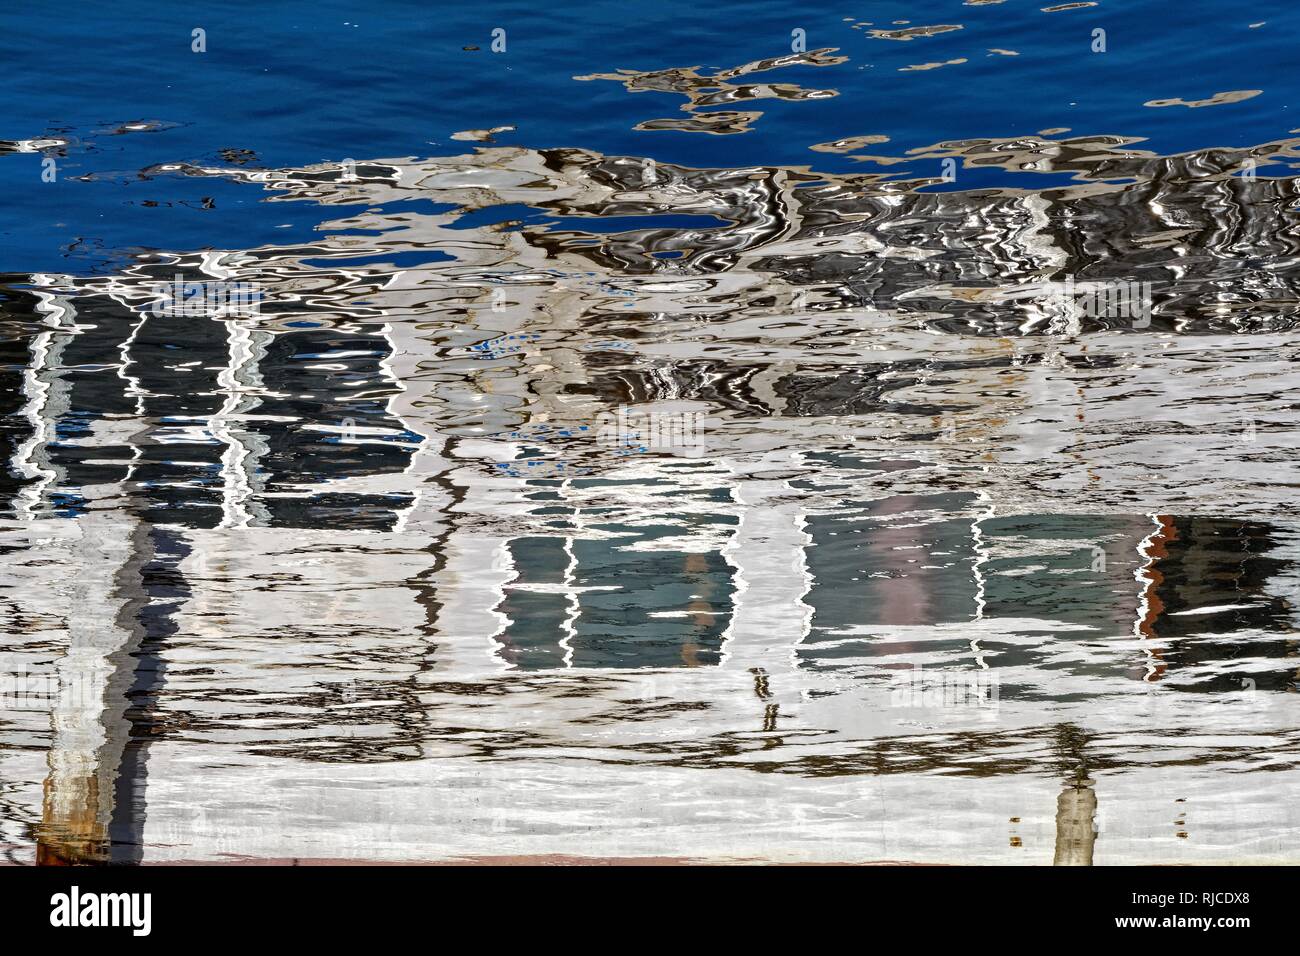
[[301, 83]]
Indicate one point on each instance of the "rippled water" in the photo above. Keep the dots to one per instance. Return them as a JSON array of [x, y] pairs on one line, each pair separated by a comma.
[[554, 493]]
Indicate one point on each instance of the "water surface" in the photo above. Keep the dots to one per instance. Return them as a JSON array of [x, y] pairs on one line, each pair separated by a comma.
[[665, 438]]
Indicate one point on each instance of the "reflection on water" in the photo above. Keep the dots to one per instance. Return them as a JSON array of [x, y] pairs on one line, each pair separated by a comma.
[[554, 502]]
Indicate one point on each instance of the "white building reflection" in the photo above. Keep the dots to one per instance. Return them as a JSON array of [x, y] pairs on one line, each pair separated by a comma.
[[345, 581]]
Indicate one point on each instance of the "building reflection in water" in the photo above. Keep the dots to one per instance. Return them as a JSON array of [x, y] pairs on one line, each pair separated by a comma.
[[373, 524]]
